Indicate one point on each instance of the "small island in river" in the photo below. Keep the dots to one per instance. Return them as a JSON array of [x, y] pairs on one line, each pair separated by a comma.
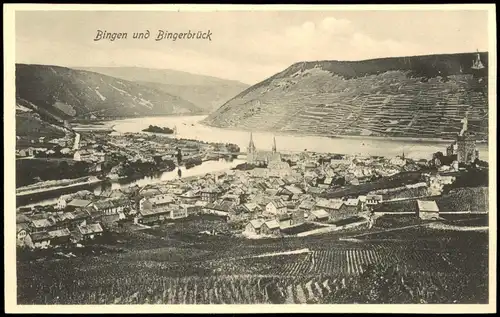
[[156, 129]]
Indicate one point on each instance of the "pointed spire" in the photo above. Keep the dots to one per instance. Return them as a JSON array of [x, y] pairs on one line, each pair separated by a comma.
[[274, 144], [251, 145]]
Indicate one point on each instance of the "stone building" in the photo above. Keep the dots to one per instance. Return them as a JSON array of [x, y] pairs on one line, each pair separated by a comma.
[[464, 147]]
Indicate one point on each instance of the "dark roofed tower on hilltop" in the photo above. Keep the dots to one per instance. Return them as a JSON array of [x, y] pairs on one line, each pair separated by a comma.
[[477, 64]]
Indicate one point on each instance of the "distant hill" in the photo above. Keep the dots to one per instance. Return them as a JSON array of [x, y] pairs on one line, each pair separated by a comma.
[[418, 96], [207, 93], [65, 93]]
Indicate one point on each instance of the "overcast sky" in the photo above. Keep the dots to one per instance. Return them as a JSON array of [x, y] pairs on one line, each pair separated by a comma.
[[245, 46]]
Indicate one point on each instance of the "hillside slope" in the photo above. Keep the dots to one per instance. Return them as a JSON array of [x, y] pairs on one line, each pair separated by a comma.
[[208, 93], [31, 124], [68, 93], [419, 96]]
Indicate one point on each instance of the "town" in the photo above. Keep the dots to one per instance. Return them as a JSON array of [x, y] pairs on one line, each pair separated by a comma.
[[272, 194]]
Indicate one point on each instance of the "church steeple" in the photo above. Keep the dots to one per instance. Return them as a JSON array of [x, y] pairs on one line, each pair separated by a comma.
[[274, 145], [251, 145]]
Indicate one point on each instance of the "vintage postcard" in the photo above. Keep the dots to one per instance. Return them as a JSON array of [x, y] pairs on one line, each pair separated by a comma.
[[221, 158]]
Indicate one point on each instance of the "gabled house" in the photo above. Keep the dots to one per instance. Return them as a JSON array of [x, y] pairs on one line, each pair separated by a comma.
[[151, 216], [319, 215], [252, 208], [221, 208], [46, 239], [21, 233], [270, 227], [190, 196], [72, 220], [329, 205], [254, 226], [307, 206], [210, 194], [90, 231], [156, 201], [349, 208], [40, 225]]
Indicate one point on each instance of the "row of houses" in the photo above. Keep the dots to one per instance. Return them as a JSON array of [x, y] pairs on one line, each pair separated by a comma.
[[57, 230]]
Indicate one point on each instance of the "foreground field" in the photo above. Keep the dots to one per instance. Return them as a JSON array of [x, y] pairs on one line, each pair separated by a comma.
[[162, 266]]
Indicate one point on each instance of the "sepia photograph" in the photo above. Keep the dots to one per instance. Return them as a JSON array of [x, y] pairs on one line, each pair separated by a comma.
[[217, 156]]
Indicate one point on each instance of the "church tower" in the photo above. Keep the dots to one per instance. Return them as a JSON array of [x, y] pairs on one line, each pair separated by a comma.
[[274, 145], [251, 151], [251, 145]]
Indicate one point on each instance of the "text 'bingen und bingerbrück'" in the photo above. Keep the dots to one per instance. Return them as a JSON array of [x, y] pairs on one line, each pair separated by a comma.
[[161, 35]]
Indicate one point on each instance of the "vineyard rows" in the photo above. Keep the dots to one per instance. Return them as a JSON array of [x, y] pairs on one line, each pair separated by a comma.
[[345, 262], [204, 290]]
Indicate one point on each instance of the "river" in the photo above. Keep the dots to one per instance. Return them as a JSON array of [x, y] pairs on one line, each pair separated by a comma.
[[50, 198], [188, 127]]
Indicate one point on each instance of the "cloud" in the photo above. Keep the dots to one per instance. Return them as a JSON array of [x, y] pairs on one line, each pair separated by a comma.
[[327, 39], [249, 50], [373, 48], [336, 26]]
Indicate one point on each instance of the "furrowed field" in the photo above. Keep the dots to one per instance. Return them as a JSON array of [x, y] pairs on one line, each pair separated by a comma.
[[417, 265]]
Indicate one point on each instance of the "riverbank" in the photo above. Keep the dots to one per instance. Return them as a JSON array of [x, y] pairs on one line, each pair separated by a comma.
[[194, 127], [55, 185], [340, 136], [49, 196]]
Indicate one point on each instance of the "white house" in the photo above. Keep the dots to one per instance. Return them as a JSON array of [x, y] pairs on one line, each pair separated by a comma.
[[428, 209], [276, 207], [21, 233], [372, 200]]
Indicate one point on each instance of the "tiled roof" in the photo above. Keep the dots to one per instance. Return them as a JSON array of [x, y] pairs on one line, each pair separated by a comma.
[[329, 203], [257, 223], [59, 233], [42, 223], [427, 205], [307, 204], [79, 203], [272, 224], [90, 229], [278, 203], [154, 211], [320, 213], [20, 218]]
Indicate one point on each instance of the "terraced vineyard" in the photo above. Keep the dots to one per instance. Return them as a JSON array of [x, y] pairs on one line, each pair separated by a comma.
[[321, 99]]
